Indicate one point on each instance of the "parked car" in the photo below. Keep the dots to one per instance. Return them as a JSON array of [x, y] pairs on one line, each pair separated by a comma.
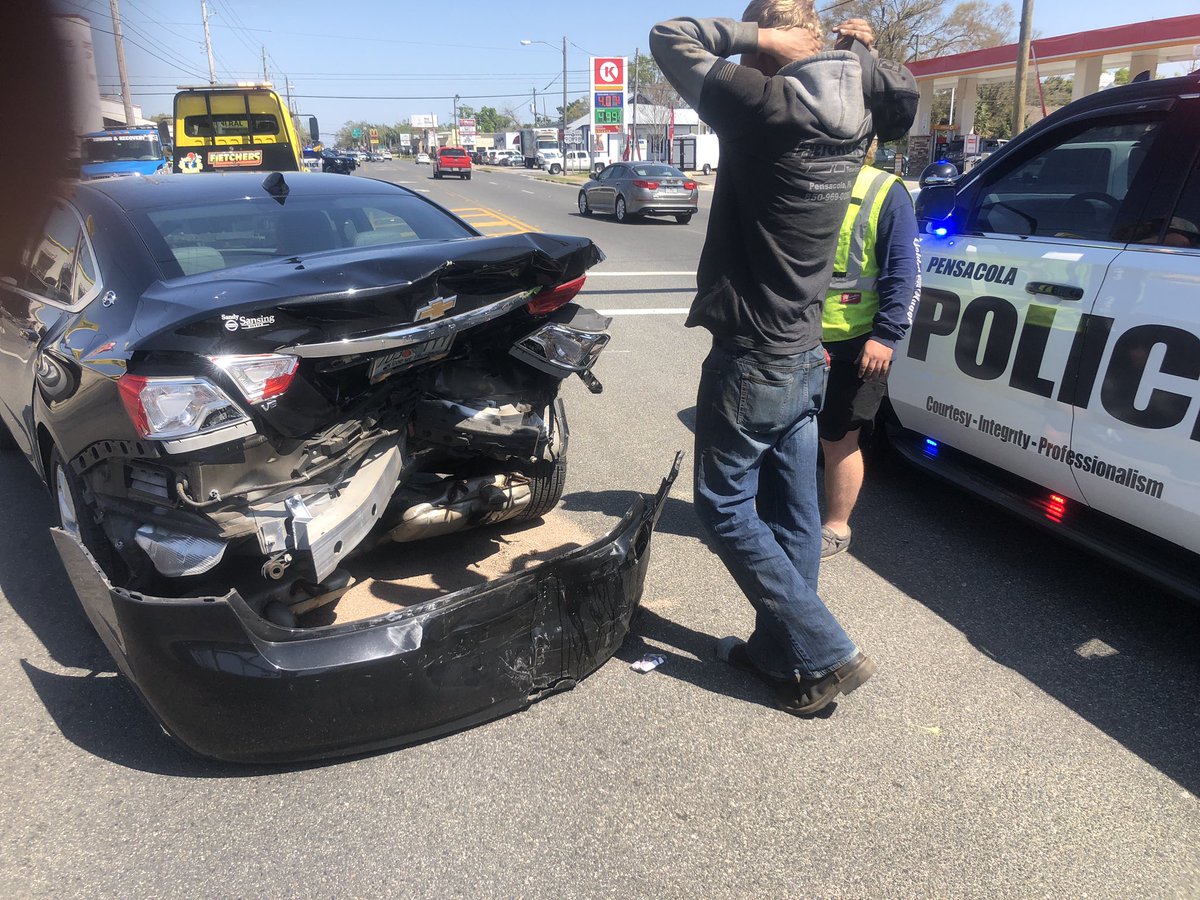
[[451, 161], [551, 161], [512, 159], [640, 189], [422, 158], [1053, 363], [232, 385]]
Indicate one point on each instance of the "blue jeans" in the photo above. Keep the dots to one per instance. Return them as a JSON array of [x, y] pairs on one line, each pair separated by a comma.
[[756, 497]]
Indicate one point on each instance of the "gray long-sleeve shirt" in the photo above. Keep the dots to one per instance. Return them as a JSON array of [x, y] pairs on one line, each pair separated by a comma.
[[791, 147]]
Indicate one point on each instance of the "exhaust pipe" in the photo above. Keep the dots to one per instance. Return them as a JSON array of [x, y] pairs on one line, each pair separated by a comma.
[[464, 503]]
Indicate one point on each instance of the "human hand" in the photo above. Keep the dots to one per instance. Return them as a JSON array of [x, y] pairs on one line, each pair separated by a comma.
[[874, 361], [854, 30], [786, 45]]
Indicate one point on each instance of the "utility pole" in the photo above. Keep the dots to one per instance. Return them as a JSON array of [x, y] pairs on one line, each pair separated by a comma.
[[457, 135], [212, 72], [266, 77], [533, 109], [1022, 68], [562, 143], [291, 108], [120, 42], [635, 153]]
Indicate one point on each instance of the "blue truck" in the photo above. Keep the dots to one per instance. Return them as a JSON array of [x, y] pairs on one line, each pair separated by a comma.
[[122, 151]]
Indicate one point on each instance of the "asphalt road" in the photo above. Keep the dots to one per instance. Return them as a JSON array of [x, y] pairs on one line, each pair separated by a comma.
[[1032, 730]]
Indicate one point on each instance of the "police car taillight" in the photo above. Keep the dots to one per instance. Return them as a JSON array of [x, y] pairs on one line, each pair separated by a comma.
[[1056, 507]]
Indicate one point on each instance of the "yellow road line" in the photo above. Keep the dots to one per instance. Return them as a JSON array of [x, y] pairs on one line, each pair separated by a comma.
[[496, 219]]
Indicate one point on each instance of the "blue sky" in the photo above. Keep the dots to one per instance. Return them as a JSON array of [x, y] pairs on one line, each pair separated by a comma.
[[341, 54]]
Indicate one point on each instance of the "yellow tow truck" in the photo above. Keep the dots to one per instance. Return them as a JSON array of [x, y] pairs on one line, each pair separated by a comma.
[[242, 127]]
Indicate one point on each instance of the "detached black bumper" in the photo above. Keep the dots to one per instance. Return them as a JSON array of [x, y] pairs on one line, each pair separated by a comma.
[[232, 686]]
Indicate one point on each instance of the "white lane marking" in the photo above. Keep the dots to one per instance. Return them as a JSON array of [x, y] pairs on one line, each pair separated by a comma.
[[662, 311], [635, 274], [493, 182], [421, 190], [523, 191]]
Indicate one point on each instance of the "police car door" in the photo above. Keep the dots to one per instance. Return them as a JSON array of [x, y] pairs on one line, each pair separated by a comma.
[[1137, 433], [989, 364]]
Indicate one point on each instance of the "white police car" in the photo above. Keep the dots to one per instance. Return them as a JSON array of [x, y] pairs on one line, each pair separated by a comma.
[[1053, 365]]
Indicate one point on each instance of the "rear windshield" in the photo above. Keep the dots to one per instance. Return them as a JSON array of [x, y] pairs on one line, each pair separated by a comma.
[[189, 240], [453, 152], [126, 147], [230, 125], [656, 171]]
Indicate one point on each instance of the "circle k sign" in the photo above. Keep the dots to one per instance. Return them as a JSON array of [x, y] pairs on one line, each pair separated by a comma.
[[608, 73]]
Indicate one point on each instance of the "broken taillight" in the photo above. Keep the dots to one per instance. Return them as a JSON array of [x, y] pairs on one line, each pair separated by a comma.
[[169, 408], [549, 299], [260, 377]]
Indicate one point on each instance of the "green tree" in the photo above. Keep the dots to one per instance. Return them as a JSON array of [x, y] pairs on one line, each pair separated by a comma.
[[488, 120], [575, 109]]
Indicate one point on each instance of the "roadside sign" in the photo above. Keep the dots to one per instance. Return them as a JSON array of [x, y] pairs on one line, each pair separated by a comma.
[[466, 129], [970, 144], [356, 133], [608, 94]]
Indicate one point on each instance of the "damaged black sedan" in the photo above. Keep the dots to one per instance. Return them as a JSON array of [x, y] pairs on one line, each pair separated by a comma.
[[234, 385]]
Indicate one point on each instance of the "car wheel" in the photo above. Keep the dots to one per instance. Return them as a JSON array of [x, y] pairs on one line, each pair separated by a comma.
[[437, 175], [584, 209], [546, 484], [467, 176], [621, 212], [73, 516], [554, 170], [707, 169], [684, 219]]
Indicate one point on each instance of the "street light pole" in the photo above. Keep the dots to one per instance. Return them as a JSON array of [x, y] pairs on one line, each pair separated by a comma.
[[562, 139]]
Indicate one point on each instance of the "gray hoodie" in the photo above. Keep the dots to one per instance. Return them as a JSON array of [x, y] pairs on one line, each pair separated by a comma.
[[791, 147]]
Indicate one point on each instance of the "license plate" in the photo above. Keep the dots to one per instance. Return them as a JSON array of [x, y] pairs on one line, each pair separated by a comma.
[[401, 359]]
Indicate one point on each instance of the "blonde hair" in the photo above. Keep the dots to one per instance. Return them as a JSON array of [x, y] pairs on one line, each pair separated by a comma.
[[784, 14]]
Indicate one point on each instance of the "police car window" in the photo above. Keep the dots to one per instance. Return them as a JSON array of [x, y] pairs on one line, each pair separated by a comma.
[[1070, 190], [1183, 228]]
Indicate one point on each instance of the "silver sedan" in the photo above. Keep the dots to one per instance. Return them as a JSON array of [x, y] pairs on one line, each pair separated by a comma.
[[630, 189]]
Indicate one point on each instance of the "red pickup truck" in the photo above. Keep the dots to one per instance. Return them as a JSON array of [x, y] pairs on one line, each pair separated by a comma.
[[452, 161]]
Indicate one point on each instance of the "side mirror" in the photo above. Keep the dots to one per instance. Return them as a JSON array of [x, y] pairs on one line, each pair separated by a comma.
[[935, 203], [314, 130], [164, 135], [941, 172]]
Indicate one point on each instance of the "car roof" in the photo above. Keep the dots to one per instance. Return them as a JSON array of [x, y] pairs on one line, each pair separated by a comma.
[[174, 190]]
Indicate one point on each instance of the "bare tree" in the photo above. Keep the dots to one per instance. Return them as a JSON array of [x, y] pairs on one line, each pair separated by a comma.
[[906, 30]]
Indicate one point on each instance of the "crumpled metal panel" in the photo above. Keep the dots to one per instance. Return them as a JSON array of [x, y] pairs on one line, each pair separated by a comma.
[[230, 685]]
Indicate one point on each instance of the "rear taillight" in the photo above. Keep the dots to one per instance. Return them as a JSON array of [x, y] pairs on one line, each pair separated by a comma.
[[689, 185], [260, 378], [169, 408], [549, 299], [648, 185]]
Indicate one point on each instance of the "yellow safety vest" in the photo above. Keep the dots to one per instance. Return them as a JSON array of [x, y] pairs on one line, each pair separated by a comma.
[[853, 299]]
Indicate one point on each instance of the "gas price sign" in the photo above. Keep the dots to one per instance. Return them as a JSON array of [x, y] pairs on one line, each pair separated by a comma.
[[608, 94]]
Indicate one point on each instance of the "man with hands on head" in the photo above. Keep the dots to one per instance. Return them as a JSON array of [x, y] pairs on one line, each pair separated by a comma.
[[794, 123]]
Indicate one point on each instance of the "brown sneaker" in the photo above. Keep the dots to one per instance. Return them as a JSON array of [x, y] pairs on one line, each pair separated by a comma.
[[806, 696]]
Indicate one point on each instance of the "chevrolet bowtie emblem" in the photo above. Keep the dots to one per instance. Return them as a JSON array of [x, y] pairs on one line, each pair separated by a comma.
[[435, 309]]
